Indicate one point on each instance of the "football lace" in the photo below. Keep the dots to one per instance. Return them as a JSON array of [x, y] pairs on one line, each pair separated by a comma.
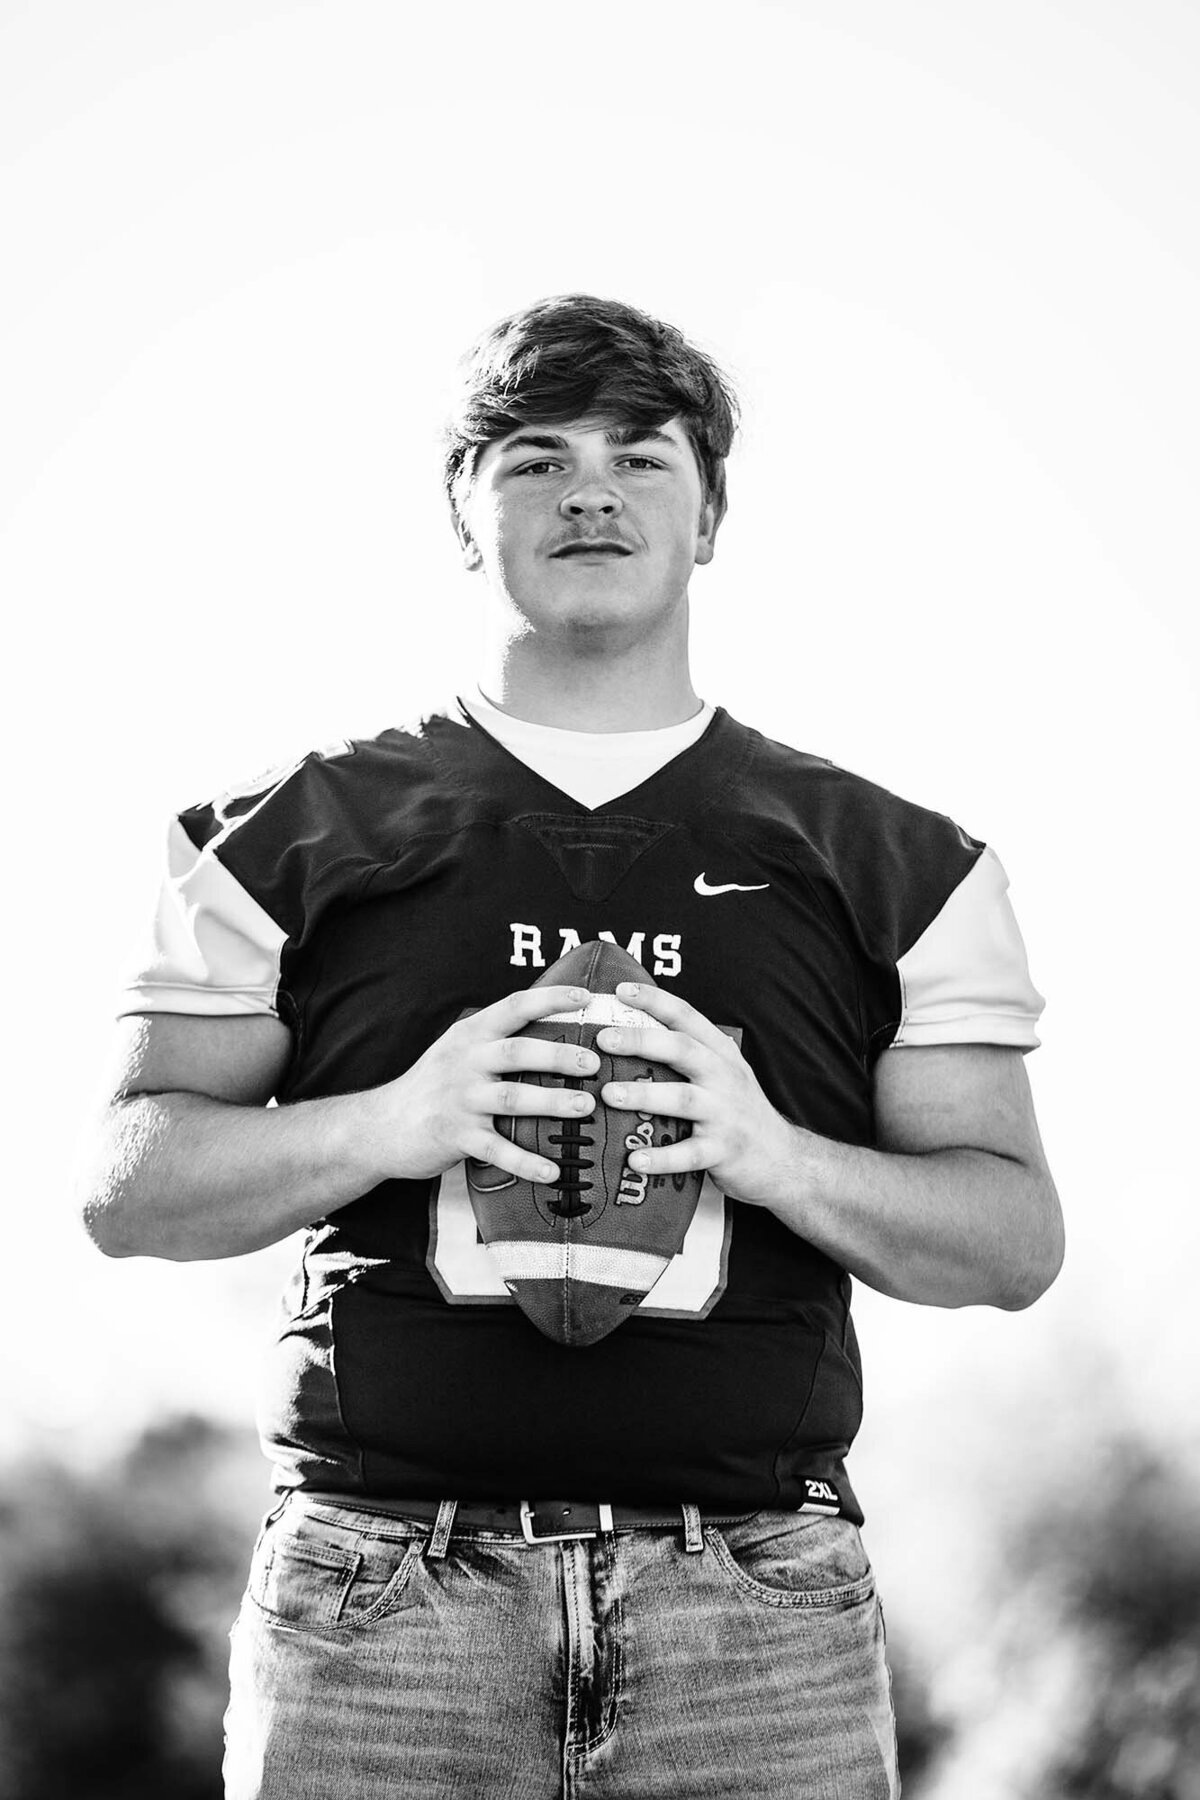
[[573, 1140]]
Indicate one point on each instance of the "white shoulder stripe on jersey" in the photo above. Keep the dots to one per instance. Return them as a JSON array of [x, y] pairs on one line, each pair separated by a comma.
[[966, 979], [213, 950]]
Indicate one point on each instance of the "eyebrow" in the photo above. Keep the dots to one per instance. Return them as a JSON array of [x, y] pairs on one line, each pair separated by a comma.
[[622, 437]]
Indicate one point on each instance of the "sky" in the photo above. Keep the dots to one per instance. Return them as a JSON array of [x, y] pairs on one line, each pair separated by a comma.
[[948, 254]]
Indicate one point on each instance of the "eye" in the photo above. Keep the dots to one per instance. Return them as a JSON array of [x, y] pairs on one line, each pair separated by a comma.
[[647, 462], [533, 467]]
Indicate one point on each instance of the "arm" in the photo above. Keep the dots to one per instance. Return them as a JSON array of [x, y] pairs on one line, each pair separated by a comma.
[[955, 1208], [188, 1162]]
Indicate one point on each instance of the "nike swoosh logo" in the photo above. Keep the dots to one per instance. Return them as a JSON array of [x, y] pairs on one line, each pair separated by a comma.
[[729, 887]]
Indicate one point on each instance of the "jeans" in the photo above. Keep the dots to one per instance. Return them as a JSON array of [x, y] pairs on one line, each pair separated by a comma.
[[624, 1667]]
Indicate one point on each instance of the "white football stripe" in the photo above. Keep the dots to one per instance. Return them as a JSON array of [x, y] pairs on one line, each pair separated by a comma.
[[603, 1009], [966, 979], [599, 1265], [214, 949]]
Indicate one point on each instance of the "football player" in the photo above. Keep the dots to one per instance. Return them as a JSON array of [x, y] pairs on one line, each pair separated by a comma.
[[501, 1564]]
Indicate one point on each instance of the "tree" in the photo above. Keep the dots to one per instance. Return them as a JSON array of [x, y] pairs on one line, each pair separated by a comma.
[[117, 1591]]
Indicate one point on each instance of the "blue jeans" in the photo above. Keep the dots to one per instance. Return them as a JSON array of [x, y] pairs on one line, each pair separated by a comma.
[[624, 1667]]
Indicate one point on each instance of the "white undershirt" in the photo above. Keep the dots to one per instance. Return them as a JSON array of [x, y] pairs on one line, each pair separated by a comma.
[[592, 766]]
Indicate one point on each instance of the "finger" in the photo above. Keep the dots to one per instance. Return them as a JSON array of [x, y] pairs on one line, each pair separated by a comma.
[[538, 1055], [670, 1010], [673, 1159], [673, 1047], [525, 1099], [489, 1147], [503, 1017], [664, 1099]]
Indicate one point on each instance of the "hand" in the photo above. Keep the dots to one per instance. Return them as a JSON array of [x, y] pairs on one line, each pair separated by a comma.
[[737, 1135], [444, 1108]]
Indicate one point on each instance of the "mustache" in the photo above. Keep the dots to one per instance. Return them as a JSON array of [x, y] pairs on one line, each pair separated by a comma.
[[592, 540]]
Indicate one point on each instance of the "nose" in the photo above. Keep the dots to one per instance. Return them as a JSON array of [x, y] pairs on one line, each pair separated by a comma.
[[591, 496]]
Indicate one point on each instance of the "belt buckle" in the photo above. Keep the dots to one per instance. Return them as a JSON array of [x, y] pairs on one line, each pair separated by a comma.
[[603, 1522]]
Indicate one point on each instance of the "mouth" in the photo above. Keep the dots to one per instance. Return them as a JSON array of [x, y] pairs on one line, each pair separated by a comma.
[[597, 547]]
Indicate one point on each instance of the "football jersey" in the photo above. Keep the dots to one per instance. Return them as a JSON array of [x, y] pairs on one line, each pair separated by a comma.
[[372, 893]]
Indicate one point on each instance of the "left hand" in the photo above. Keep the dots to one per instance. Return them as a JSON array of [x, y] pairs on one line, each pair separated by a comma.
[[737, 1135]]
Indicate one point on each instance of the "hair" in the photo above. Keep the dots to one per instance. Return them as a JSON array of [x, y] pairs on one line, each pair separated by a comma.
[[573, 356]]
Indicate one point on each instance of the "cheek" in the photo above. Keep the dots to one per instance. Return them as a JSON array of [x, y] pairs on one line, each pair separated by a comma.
[[518, 528], [502, 539], [678, 538]]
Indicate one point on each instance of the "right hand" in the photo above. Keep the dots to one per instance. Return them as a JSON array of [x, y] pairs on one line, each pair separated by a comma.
[[444, 1108]]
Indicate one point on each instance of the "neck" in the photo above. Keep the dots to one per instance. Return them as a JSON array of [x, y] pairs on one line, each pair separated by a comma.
[[641, 687]]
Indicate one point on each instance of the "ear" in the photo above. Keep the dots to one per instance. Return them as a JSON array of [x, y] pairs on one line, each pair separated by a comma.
[[472, 560], [711, 514]]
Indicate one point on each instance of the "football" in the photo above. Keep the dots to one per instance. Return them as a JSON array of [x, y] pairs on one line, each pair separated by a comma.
[[579, 1253]]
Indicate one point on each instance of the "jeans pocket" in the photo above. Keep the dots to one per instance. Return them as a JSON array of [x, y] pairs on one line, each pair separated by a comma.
[[314, 1577], [795, 1560]]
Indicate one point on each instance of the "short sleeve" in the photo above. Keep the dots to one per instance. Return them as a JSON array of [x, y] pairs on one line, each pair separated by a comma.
[[966, 978], [212, 949]]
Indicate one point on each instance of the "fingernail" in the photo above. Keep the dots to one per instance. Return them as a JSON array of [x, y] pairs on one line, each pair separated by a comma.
[[628, 987], [588, 1060], [580, 996], [546, 1172], [617, 1095], [638, 1160]]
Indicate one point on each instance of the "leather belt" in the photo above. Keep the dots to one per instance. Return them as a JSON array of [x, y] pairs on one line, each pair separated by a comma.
[[555, 1521], [559, 1521], [546, 1521], [551, 1521]]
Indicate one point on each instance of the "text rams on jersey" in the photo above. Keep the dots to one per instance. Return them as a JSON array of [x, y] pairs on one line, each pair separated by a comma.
[[529, 950]]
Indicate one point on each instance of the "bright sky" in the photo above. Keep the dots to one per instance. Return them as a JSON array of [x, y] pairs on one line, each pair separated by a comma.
[[949, 255]]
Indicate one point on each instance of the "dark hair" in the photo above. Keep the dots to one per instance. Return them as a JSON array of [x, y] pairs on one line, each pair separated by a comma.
[[572, 357]]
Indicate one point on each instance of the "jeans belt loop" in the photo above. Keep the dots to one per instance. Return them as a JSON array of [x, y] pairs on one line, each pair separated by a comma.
[[443, 1527], [693, 1535]]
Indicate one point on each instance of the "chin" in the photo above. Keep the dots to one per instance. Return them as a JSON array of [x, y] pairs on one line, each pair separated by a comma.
[[583, 609], [613, 612]]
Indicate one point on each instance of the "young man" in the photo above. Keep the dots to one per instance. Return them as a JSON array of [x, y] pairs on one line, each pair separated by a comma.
[[838, 981]]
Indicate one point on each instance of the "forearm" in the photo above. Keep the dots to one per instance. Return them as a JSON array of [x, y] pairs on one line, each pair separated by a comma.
[[187, 1164], [946, 1227], [186, 1177]]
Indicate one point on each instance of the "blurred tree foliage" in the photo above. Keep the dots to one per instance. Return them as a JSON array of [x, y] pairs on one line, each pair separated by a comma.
[[117, 1592], [1083, 1679], [1128, 1561], [920, 1733]]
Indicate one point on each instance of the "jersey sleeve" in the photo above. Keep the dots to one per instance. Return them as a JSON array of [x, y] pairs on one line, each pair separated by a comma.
[[965, 978], [246, 876], [942, 960], [212, 949]]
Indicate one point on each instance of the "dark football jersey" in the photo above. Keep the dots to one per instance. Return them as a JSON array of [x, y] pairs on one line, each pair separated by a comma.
[[373, 893]]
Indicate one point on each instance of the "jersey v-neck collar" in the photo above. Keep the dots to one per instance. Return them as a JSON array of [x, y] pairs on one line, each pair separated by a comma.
[[688, 782], [592, 766]]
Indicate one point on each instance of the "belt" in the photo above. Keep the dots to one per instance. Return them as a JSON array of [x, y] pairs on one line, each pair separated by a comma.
[[561, 1521], [556, 1521]]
